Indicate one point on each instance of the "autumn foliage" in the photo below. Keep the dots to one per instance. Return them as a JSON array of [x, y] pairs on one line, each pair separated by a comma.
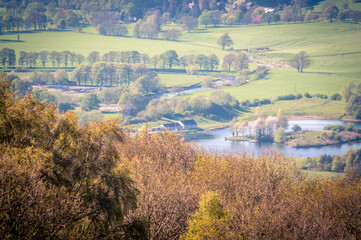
[[62, 181]]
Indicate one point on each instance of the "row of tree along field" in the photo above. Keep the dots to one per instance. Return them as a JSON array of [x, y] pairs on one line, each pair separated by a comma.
[[53, 16], [167, 60], [62, 180]]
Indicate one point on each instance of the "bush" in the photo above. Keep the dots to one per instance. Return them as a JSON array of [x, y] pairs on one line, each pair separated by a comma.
[[357, 114], [207, 82], [307, 95], [331, 135], [286, 97], [261, 72], [336, 97], [246, 103], [349, 126], [338, 128], [320, 95], [255, 103], [191, 70], [296, 128], [265, 101]]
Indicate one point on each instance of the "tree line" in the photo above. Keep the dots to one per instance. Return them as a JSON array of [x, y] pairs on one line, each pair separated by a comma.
[[62, 180], [335, 163], [110, 18], [166, 60]]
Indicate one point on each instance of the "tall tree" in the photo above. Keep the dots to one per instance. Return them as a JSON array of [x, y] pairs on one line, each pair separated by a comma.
[[7, 56], [52, 56], [23, 58], [72, 58], [93, 57], [43, 57], [330, 13], [346, 91], [213, 62], [300, 61], [80, 58], [59, 58], [66, 55], [228, 61], [189, 23], [225, 41], [240, 62], [170, 58], [201, 60], [90, 102], [33, 58]]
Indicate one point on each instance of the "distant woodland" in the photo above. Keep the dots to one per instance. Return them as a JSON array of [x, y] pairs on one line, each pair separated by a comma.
[[109, 16]]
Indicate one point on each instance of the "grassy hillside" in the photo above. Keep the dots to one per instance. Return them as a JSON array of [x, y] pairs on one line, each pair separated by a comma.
[[334, 49], [301, 107], [339, 4], [170, 80]]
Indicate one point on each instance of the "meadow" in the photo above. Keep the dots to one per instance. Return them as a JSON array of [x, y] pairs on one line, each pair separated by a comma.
[[334, 50], [302, 107]]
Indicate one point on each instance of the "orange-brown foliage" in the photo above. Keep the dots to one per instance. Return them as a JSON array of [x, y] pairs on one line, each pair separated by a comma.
[[265, 197]]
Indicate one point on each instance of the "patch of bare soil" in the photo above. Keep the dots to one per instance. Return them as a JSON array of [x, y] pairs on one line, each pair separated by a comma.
[[263, 60]]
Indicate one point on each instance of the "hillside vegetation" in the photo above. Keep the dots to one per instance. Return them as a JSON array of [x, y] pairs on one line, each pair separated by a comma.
[[66, 181]]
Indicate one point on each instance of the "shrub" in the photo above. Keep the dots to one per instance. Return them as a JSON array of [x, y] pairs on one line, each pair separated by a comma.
[[338, 128], [245, 103], [349, 126], [207, 82], [261, 72], [286, 97], [265, 101], [320, 95], [307, 95], [296, 128], [336, 97]]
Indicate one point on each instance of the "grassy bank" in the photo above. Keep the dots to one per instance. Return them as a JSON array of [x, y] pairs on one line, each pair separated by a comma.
[[320, 138]]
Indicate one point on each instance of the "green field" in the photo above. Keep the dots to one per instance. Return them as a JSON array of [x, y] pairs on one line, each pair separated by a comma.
[[171, 80], [302, 107], [334, 49], [339, 4]]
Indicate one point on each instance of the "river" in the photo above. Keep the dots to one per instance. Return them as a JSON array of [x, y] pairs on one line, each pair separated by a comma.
[[215, 141]]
